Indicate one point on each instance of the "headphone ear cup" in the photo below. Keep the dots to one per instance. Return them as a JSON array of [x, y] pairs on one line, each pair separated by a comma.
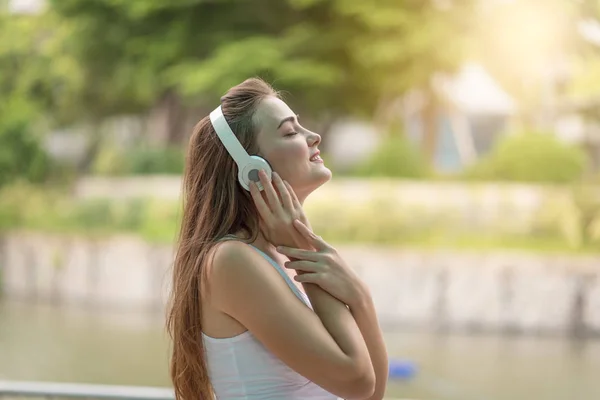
[[249, 172], [269, 164]]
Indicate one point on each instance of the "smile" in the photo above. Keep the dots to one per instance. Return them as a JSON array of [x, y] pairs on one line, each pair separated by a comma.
[[316, 158]]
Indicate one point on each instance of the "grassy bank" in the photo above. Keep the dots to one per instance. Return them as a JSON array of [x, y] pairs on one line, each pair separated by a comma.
[[378, 222]]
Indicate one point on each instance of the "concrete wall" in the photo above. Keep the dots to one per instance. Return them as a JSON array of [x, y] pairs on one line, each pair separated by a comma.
[[441, 290]]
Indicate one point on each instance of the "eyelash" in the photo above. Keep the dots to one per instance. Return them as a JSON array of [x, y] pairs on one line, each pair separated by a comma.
[[291, 134]]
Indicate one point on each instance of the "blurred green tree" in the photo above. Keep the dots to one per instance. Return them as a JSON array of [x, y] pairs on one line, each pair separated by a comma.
[[35, 78], [335, 56], [531, 157]]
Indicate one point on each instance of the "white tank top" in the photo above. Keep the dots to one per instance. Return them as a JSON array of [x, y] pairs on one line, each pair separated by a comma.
[[241, 368]]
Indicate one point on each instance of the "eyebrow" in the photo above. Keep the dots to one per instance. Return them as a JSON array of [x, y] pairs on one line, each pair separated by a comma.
[[288, 119]]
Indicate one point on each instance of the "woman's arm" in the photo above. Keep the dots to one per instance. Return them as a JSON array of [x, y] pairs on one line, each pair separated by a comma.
[[326, 346], [331, 272], [366, 319], [277, 211]]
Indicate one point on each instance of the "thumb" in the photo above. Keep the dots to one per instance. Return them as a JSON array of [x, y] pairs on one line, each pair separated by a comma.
[[316, 241]]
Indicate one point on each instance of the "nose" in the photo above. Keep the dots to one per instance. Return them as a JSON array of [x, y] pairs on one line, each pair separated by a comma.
[[313, 139]]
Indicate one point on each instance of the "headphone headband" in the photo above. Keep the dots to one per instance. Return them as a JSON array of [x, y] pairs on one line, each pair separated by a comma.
[[228, 138], [248, 166]]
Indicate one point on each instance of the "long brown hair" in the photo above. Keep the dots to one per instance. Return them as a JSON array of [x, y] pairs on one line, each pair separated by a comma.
[[214, 204]]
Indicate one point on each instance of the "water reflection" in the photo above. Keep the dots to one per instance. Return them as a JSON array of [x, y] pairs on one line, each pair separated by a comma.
[[131, 348], [77, 345]]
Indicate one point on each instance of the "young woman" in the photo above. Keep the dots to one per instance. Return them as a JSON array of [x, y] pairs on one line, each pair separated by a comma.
[[261, 307]]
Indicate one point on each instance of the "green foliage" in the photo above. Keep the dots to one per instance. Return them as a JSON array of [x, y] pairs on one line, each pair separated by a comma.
[[24, 206], [36, 78], [169, 160], [82, 61], [21, 153], [395, 157], [139, 160], [38, 69], [110, 161], [573, 216], [21, 202], [530, 157], [570, 221], [343, 54]]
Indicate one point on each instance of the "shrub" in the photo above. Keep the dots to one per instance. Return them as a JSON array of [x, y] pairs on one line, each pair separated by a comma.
[[395, 157], [26, 206], [574, 216], [168, 160], [531, 157], [22, 203], [140, 160], [110, 161], [21, 153], [570, 220]]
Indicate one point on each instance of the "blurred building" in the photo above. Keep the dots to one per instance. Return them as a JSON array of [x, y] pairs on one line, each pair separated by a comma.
[[473, 112]]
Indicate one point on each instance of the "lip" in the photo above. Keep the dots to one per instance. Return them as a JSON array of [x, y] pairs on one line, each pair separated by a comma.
[[315, 155]]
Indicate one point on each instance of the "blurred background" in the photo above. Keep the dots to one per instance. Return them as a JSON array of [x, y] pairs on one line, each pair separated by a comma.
[[464, 138]]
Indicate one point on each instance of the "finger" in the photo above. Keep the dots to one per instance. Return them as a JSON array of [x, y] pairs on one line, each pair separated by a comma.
[[259, 202], [272, 197], [295, 200], [301, 242], [312, 277], [286, 198], [298, 254], [316, 241], [303, 265]]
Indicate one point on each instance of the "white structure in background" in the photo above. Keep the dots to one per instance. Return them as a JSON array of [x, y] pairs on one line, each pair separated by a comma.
[[476, 110], [475, 92], [350, 141]]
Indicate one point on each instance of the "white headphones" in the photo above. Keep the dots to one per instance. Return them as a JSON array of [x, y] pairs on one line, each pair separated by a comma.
[[248, 166]]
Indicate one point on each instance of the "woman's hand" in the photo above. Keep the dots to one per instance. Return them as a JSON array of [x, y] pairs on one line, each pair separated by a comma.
[[325, 267], [278, 210]]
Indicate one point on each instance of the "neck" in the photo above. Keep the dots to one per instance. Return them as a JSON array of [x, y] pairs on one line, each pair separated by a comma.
[[262, 243], [301, 197]]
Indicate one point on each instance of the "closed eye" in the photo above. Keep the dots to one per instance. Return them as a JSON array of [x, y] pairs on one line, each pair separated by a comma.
[[290, 134]]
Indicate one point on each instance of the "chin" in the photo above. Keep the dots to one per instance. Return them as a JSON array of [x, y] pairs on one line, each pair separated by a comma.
[[316, 181], [327, 175]]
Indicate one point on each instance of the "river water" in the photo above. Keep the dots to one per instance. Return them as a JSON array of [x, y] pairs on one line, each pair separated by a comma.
[[48, 343]]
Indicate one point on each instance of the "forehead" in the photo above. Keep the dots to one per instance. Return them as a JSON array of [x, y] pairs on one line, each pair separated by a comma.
[[270, 112]]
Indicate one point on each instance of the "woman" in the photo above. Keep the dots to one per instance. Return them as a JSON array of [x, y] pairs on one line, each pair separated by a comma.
[[262, 308]]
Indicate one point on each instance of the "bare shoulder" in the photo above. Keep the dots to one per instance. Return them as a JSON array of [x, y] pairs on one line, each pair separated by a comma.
[[238, 269], [232, 258], [245, 286]]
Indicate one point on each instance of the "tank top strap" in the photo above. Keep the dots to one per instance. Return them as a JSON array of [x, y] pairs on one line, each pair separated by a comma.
[[285, 276], [303, 297]]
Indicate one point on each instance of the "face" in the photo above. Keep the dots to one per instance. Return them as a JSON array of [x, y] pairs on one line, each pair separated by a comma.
[[291, 149]]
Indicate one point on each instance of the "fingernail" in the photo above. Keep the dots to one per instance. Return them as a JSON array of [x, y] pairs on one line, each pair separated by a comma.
[[275, 173], [279, 249]]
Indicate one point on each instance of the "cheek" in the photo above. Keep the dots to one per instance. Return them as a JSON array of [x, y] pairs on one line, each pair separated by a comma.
[[287, 159]]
